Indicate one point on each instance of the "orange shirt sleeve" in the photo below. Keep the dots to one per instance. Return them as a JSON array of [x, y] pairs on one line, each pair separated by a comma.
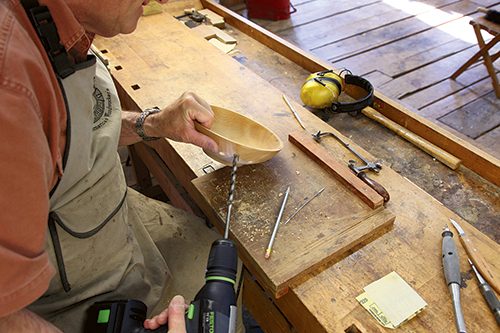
[[32, 133], [26, 174], [32, 124]]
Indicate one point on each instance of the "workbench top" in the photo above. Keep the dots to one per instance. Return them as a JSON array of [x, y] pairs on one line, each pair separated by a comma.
[[153, 68]]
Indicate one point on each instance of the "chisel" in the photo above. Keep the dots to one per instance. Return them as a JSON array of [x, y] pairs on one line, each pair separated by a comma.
[[477, 259], [488, 294]]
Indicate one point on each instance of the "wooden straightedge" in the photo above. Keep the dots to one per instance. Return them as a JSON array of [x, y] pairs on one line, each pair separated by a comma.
[[340, 172]]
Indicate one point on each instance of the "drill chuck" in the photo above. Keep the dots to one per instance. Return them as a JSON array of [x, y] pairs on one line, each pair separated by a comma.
[[222, 260]]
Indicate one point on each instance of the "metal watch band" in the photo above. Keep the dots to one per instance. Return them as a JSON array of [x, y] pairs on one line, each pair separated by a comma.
[[139, 124]]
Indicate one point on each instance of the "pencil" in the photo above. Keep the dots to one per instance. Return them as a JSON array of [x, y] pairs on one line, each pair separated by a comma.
[[293, 111], [273, 236]]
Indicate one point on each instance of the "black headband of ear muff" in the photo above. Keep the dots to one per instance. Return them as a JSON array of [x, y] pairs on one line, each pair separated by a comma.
[[359, 104]]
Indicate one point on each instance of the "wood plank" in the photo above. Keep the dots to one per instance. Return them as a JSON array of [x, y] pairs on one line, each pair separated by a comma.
[[340, 172], [395, 31], [312, 11], [402, 25], [377, 78], [456, 100], [486, 3], [474, 119], [491, 140], [425, 76], [317, 33], [404, 55], [441, 90], [424, 57]]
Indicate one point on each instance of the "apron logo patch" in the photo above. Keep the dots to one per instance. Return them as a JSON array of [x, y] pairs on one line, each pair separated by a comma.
[[102, 108]]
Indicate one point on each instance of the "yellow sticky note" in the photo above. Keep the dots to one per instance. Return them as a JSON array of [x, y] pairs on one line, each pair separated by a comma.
[[391, 299], [372, 307]]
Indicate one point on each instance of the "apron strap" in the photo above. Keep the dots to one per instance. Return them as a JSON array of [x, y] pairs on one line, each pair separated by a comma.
[[46, 29]]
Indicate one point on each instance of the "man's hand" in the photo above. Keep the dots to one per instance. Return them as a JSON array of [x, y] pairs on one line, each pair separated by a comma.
[[175, 122], [174, 316]]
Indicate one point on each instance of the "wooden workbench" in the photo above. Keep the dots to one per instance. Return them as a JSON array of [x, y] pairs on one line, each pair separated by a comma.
[[154, 68]]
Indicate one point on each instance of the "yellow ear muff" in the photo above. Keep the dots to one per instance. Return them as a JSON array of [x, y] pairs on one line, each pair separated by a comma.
[[322, 89]]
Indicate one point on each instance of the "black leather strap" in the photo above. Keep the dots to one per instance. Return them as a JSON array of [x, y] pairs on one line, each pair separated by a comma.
[[46, 29], [359, 104]]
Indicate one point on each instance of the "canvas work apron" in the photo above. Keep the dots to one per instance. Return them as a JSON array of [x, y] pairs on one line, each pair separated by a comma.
[[100, 250]]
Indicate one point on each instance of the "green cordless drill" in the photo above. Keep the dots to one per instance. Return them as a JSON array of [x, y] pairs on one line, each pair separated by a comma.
[[213, 309]]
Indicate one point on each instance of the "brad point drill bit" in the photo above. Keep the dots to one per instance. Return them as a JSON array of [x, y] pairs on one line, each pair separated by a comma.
[[231, 190]]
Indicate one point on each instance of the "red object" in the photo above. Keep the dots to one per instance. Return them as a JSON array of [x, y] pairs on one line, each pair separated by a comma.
[[270, 9]]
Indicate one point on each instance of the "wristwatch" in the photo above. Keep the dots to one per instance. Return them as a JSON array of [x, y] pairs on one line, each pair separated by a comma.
[[139, 124]]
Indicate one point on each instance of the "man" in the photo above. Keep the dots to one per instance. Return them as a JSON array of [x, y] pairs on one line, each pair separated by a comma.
[[70, 231]]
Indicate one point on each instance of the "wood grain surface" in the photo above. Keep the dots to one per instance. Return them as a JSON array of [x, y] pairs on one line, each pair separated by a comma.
[[331, 224]]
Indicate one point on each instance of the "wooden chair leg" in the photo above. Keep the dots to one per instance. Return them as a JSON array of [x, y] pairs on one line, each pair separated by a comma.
[[487, 61], [483, 50]]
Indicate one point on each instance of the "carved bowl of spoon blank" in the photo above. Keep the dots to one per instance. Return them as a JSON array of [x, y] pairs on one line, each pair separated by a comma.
[[237, 134]]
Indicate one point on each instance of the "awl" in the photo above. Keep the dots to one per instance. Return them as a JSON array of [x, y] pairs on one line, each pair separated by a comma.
[[477, 259], [451, 267]]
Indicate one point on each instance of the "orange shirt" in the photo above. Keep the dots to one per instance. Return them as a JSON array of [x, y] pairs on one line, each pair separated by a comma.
[[32, 130]]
